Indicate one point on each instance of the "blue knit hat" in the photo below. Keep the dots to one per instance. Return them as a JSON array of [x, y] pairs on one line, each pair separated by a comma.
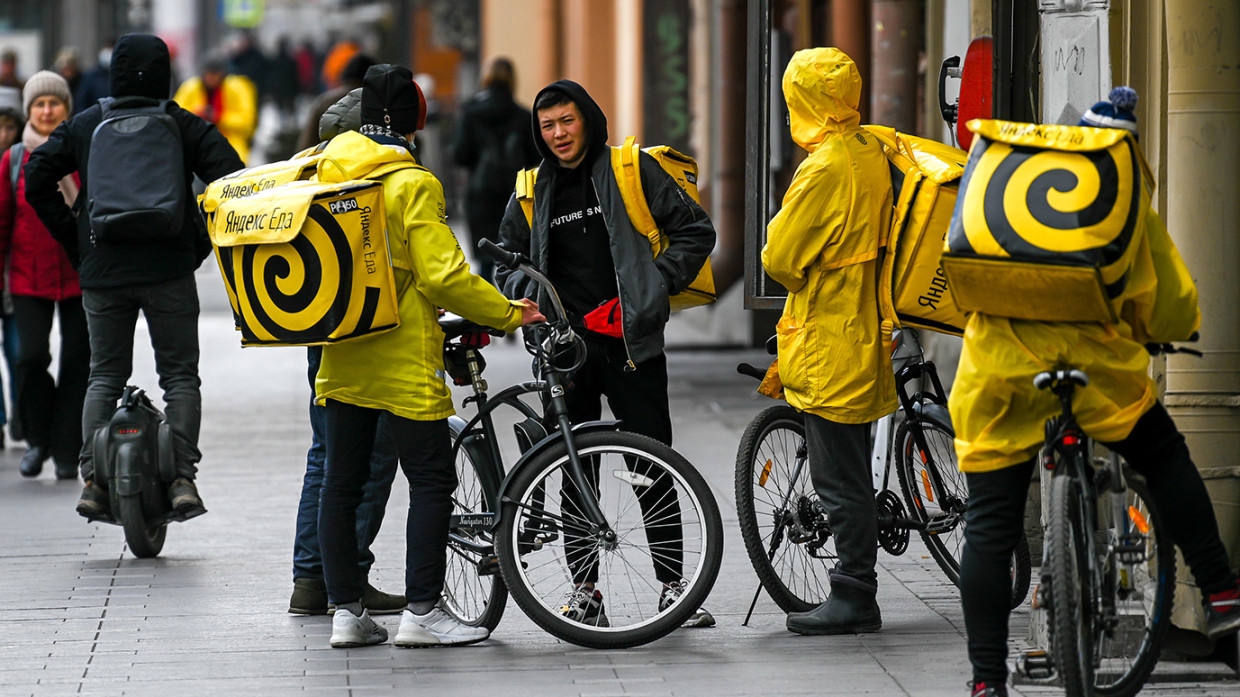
[[1116, 113]]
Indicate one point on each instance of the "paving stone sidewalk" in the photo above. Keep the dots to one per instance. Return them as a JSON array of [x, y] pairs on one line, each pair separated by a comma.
[[79, 615]]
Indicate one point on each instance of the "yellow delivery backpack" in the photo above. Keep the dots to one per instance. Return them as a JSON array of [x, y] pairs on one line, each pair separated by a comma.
[[1044, 226], [624, 162], [304, 262], [925, 178]]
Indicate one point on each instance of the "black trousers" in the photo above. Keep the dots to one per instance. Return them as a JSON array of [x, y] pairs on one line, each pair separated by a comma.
[[425, 450], [996, 514], [839, 466], [639, 400], [50, 409]]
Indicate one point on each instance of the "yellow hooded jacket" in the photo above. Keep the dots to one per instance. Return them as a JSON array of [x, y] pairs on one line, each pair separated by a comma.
[[823, 247], [999, 415], [240, 113], [402, 370]]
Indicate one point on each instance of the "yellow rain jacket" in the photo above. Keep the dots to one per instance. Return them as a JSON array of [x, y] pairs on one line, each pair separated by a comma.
[[402, 370], [823, 247], [239, 117], [999, 415]]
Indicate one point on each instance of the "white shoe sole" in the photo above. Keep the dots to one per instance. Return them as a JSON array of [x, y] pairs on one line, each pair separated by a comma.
[[420, 637]]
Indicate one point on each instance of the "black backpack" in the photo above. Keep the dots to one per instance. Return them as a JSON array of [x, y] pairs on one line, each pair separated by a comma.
[[136, 173]]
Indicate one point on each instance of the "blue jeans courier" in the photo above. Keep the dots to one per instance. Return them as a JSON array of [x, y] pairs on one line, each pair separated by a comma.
[[307, 558], [171, 311]]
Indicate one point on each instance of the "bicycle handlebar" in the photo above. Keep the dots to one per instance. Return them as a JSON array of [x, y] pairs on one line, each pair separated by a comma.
[[751, 371], [562, 331]]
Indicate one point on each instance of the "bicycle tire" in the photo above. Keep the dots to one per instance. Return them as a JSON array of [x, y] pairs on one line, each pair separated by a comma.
[[1130, 653], [1071, 592], [538, 579], [769, 488], [915, 471], [473, 598], [144, 537]]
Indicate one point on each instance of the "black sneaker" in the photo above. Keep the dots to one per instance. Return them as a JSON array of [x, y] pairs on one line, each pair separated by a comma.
[[984, 689], [184, 496], [94, 502], [585, 605], [671, 593], [1223, 612]]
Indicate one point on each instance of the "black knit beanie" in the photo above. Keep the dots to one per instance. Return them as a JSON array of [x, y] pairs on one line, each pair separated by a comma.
[[391, 99]]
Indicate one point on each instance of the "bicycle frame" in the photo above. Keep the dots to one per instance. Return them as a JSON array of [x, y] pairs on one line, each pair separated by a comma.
[[552, 386]]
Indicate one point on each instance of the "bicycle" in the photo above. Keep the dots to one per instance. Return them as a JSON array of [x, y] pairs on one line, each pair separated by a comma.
[[784, 525], [553, 518], [1108, 566]]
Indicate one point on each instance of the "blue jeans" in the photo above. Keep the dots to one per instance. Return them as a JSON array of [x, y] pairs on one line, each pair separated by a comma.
[[307, 557], [171, 312]]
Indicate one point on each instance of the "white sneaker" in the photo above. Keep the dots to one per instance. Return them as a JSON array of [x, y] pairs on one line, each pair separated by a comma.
[[436, 628], [350, 630]]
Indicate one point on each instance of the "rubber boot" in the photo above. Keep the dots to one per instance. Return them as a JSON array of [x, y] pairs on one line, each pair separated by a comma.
[[851, 608]]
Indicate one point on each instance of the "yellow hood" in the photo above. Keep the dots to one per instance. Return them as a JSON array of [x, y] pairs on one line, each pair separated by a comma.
[[352, 155], [822, 87]]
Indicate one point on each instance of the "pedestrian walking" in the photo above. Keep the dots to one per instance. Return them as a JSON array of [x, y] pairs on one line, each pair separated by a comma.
[[228, 101], [44, 286], [492, 140], [823, 246]]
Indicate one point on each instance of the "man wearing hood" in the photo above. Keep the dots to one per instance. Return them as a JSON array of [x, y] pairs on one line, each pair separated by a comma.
[[582, 239], [823, 247], [118, 280], [492, 140]]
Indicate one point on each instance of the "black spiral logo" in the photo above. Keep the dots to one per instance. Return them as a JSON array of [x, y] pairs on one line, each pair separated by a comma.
[[301, 314], [1036, 204]]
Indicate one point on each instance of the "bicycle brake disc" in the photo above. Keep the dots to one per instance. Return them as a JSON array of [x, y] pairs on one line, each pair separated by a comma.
[[892, 535]]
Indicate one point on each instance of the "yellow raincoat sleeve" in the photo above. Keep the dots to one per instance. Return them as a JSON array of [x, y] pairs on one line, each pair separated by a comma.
[[440, 271], [1162, 306], [808, 225], [240, 115]]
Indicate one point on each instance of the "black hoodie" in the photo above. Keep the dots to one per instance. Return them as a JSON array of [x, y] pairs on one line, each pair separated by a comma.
[[140, 68], [580, 262], [643, 281]]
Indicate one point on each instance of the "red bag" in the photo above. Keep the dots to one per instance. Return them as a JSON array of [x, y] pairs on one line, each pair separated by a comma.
[[606, 319]]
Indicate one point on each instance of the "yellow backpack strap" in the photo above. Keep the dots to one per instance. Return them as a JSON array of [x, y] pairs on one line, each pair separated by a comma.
[[525, 193], [625, 164]]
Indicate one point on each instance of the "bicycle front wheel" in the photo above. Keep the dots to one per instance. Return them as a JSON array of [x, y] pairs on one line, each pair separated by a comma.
[[1142, 593], [1072, 589], [663, 531], [937, 495], [473, 593], [782, 522]]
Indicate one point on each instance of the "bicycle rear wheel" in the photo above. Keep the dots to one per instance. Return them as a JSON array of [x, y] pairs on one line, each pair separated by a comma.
[[918, 471], [1071, 588], [474, 592], [1142, 598], [782, 522], [664, 527]]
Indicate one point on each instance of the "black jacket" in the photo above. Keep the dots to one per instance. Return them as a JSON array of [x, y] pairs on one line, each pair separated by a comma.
[[492, 140], [645, 282], [139, 68]]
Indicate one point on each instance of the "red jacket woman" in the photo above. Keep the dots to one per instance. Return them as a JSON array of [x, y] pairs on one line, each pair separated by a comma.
[[43, 285]]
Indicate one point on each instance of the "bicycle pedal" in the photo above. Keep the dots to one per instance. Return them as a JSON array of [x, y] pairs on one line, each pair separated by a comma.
[[488, 566], [1035, 665]]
